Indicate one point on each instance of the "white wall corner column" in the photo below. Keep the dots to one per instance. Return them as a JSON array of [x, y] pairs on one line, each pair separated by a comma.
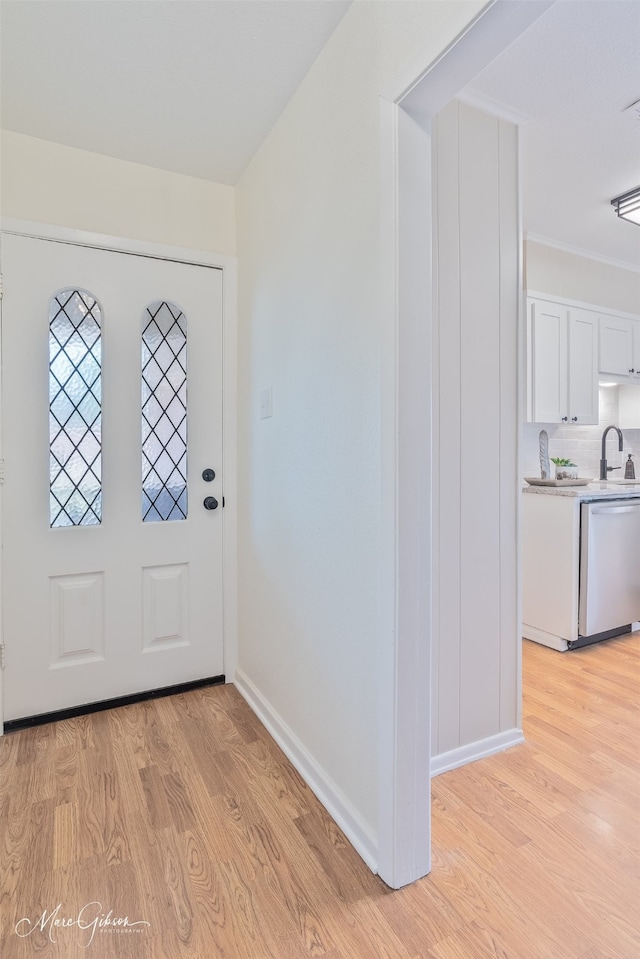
[[405, 811], [476, 551]]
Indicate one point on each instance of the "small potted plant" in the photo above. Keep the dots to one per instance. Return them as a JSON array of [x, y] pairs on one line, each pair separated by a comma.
[[565, 469]]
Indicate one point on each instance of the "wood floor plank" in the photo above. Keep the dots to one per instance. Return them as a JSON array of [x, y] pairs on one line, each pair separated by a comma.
[[421, 915], [64, 760], [576, 767], [15, 829], [203, 752], [614, 809], [485, 796], [610, 951], [531, 902], [596, 837], [281, 882], [180, 802], [208, 892], [572, 868], [128, 726], [266, 767], [488, 844], [65, 835], [183, 813], [477, 941]]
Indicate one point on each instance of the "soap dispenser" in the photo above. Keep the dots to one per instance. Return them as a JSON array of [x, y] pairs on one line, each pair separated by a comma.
[[629, 468]]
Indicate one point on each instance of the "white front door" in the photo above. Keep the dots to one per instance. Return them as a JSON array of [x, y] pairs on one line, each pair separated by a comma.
[[112, 412]]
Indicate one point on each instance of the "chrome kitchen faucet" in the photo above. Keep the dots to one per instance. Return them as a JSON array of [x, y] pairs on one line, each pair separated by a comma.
[[604, 469]]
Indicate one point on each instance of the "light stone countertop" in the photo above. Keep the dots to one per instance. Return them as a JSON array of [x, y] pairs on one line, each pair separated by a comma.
[[592, 491]]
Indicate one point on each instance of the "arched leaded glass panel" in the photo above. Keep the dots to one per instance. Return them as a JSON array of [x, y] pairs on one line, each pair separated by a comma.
[[75, 410], [164, 413]]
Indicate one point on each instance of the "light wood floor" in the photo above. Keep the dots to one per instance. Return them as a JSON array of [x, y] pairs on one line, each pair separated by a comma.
[[183, 813]]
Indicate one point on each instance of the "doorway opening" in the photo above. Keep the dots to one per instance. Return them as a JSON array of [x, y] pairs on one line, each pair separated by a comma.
[[409, 383], [411, 125]]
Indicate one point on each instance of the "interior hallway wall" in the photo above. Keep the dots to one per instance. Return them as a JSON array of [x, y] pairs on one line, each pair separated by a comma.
[[575, 277], [310, 328], [50, 183], [475, 680]]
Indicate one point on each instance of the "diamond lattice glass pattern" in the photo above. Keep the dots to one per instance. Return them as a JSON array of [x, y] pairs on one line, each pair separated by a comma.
[[164, 413], [75, 416]]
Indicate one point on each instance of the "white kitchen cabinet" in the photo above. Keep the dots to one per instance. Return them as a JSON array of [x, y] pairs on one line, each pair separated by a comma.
[[619, 347], [583, 367], [563, 363], [550, 569]]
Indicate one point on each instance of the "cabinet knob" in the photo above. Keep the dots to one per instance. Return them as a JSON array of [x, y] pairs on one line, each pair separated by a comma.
[[574, 419], [564, 419], [632, 371]]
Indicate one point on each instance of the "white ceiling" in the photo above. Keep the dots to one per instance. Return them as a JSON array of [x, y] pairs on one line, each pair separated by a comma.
[[571, 75], [192, 86]]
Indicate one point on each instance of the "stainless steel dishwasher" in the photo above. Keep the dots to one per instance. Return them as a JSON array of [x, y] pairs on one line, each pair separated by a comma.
[[609, 569]]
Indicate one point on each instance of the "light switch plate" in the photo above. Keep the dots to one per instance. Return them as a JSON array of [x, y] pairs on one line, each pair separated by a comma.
[[266, 403]]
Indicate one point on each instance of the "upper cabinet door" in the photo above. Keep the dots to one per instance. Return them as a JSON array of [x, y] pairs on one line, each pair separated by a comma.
[[636, 350], [616, 346], [548, 366], [583, 367]]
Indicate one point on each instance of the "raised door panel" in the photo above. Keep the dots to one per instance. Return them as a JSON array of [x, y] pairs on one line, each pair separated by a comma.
[[548, 362], [616, 346], [583, 367]]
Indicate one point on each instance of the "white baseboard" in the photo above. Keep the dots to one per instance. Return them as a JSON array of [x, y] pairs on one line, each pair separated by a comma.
[[478, 750], [334, 801]]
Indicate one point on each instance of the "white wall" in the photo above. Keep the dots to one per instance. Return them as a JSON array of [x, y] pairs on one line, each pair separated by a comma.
[[475, 662], [560, 273], [50, 183], [310, 327]]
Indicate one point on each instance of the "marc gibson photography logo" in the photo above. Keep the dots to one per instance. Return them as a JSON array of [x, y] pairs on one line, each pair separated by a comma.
[[90, 920]]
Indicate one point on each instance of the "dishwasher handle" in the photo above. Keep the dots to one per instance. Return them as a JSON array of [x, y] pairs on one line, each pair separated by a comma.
[[595, 511]]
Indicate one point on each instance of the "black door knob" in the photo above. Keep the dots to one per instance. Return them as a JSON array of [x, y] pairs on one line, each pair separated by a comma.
[[208, 475], [210, 502]]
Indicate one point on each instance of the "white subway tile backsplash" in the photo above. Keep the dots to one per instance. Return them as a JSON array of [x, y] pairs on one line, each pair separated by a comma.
[[581, 443]]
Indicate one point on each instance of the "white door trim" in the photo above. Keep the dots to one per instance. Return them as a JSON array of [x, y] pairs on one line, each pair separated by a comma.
[[122, 244], [404, 828], [228, 265]]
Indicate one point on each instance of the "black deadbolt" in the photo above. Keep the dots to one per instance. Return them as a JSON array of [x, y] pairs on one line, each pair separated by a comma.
[[210, 502], [208, 475]]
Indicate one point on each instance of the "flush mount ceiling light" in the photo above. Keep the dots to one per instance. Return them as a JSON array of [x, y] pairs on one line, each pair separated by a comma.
[[628, 205]]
